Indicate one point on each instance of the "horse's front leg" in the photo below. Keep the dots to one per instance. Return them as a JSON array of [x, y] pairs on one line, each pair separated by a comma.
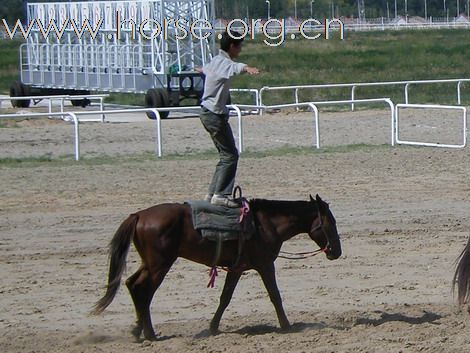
[[230, 283], [268, 275]]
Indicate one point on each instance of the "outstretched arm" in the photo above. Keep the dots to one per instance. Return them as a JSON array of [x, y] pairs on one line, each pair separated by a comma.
[[251, 70]]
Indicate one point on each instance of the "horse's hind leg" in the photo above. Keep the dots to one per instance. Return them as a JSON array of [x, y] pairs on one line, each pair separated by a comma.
[[137, 330], [142, 287], [230, 283]]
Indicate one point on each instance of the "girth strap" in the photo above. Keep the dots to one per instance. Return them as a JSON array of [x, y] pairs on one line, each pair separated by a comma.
[[218, 251]]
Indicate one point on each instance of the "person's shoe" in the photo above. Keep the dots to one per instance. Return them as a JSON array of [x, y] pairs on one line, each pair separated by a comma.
[[221, 200], [208, 197]]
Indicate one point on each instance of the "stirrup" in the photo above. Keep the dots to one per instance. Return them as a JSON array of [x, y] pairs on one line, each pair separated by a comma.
[[238, 190]]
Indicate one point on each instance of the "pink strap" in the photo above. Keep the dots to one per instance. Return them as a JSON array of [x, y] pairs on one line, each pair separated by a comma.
[[244, 210], [212, 275]]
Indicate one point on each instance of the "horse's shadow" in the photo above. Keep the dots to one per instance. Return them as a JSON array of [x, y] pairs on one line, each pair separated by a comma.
[[426, 317], [103, 339], [265, 329]]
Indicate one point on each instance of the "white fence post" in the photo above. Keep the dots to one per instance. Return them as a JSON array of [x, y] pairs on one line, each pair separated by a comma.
[[240, 126], [316, 140], [158, 136]]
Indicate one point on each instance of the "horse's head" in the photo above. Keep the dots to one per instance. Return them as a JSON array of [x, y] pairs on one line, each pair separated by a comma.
[[323, 230]]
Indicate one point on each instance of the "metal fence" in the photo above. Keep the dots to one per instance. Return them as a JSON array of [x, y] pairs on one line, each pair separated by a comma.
[[295, 89], [75, 118], [313, 106], [345, 24]]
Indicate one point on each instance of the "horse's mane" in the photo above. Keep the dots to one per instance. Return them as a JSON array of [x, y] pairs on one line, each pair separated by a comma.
[[279, 206]]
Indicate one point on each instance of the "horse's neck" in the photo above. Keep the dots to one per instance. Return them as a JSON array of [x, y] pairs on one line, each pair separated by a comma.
[[283, 220]]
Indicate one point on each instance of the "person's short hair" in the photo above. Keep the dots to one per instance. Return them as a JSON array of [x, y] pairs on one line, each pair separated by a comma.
[[228, 39]]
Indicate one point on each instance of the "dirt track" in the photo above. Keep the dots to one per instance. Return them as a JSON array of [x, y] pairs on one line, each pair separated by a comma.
[[402, 213]]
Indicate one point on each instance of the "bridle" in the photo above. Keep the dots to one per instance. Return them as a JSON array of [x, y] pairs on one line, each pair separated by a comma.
[[320, 226], [304, 255]]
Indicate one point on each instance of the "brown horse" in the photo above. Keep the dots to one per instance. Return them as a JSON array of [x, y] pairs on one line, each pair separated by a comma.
[[165, 232], [462, 276]]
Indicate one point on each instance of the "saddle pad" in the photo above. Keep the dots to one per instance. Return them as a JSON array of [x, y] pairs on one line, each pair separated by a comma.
[[216, 222]]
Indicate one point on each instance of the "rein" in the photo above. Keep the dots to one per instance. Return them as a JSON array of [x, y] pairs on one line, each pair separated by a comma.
[[300, 255], [213, 273], [305, 255]]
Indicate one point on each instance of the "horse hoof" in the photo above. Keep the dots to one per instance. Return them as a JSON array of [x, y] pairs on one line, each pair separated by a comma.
[[136, 331], [286, 328], [214, 331], [150, 336]]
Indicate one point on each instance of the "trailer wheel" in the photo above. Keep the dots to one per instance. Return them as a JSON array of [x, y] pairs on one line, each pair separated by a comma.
[[83, 102], [80, 102], [156, 98], [18, 89]]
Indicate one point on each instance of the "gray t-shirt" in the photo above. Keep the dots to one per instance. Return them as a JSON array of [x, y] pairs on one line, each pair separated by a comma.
[[217, 82]]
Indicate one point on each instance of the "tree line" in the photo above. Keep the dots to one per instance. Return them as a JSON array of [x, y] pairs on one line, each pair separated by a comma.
[[247, 9]]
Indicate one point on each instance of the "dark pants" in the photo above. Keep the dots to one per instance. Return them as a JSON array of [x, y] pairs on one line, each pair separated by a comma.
[[220, 131]]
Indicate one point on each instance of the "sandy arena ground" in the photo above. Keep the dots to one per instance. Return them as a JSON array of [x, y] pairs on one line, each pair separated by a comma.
[[402, 213]]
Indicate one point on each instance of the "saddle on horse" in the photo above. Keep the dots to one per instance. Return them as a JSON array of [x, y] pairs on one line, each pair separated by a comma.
[[221, 223]]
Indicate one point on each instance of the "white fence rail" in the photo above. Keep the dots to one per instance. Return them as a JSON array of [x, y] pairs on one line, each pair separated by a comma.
[[313, 106], [431, 106], [406, 84], [239, 107], [60, 98], [253, 92], [75, 120], [370, 24], [71, 115], [74, 116]]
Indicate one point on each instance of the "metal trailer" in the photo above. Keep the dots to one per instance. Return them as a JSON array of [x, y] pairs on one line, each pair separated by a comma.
[[141, 46]]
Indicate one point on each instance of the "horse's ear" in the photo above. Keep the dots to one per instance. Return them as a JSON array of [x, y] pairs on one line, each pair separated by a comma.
[[321, 204], [311, 198]]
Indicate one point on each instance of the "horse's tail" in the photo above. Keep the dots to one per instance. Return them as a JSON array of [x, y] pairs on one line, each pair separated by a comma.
[[118, 249], [462, 276]]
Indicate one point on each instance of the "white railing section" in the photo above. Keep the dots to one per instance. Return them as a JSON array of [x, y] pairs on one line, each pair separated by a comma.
[[431, 106], [388, 101], [370, 24], [71, 115], [314, 108], [74, 118], [156, 111], [406, 84], [253, 91], [394, 119], [238, 107], [60, 98]]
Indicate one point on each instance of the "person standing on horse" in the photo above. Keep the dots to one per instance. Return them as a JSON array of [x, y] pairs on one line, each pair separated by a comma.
[[215, 114]]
